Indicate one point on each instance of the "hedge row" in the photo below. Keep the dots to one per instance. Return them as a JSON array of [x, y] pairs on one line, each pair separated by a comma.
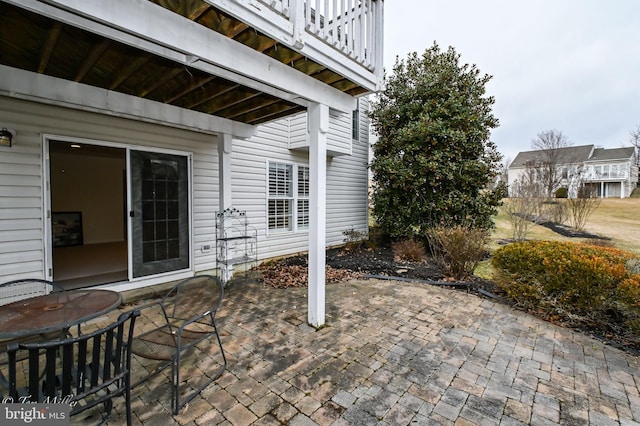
[[572, 280]]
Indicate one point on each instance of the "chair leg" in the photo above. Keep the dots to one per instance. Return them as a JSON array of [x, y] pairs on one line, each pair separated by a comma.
[[175, 378], [127, 395], [175, 382]]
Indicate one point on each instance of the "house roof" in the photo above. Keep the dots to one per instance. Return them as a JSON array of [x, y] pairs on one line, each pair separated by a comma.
[[602, 154], [40, 44], [572, 154]]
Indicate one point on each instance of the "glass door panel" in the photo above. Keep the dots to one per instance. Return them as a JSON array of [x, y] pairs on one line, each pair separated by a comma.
[[160, 213]]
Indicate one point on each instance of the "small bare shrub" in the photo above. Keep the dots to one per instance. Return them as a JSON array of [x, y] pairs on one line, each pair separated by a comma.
[[557, 211], [408, 251], [354, 238], [581, 207], [458, 249]]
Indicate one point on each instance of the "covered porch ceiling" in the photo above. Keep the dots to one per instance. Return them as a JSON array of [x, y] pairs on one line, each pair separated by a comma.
[[43, 45]]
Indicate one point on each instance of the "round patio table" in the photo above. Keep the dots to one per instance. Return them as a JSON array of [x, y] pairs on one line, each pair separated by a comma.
[[55, 311]]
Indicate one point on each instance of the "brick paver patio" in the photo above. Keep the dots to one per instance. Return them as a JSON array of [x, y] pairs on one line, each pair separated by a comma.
[[394, 353]]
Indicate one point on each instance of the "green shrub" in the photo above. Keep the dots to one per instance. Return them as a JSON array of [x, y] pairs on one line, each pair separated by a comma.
[[629, 300], [458, 249], [565, 278], [562, 193]]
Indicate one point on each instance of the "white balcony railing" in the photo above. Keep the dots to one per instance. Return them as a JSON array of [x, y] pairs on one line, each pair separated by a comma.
[[591, 175], [354, 27]]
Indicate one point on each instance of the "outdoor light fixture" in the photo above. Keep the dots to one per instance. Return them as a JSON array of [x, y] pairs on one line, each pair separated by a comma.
[[6, 137]]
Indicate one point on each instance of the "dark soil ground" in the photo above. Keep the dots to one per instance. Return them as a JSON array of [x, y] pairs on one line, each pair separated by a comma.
[[344, 264]]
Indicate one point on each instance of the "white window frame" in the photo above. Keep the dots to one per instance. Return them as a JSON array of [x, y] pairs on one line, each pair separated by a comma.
[[302, 197], [297, 198]]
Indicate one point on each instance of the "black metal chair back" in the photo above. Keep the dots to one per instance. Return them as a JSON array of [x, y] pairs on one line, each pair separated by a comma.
[[86, 370], [12, 291], [189, 311], [25, 288]]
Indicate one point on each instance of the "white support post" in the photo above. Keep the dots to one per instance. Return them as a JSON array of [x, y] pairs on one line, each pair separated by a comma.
[[224, 182], [224, 171], [318, 116]]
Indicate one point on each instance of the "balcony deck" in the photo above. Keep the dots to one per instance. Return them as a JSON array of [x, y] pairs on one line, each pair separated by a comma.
[[336, 41], [205, 63]]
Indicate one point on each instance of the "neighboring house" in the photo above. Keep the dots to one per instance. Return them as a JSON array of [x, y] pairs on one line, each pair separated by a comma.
[[149, 116], [609, 172]]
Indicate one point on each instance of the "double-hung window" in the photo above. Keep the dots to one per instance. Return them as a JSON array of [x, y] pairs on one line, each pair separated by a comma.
[[302, 202], [288, 197]]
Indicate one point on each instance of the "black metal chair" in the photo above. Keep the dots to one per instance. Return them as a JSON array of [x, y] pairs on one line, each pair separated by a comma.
[[86, 370], [25, 288], [13, 291], [188, 314]]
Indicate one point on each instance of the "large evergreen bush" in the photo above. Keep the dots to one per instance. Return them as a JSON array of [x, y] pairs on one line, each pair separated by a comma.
[[433, 161]]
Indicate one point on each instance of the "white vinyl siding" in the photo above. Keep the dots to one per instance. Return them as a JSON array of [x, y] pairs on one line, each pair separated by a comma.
[[348, 183], [347, 180], [339, 136], [21, 177]]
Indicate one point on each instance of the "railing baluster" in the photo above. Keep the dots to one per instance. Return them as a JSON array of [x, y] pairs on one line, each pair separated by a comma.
[[325, 21], [352, 26], [334, 20], [368, 48], [345, 18], [362, 16]]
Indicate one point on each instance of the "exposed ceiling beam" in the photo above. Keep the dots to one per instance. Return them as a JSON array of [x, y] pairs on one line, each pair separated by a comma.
[[49, 44], [250, 108], [196, 13], [212, 95], [144, 25], [91, 59], [276, 111], [128, 70], [160, 80]]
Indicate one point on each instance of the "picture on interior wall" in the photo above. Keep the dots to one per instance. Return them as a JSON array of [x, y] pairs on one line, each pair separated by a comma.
[[67, 229]]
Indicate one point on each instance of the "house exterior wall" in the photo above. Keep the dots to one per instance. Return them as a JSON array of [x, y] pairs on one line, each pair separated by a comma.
[[21, 175], [22, 218], [346, 180], [620, 183]]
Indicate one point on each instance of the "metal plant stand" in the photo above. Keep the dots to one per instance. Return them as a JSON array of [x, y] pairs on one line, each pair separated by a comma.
[[236, 243]]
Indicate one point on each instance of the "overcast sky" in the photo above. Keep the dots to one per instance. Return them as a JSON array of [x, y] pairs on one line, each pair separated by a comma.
[[569, 65]]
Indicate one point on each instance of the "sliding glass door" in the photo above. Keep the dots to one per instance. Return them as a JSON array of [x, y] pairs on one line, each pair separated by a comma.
[[159, 212]]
